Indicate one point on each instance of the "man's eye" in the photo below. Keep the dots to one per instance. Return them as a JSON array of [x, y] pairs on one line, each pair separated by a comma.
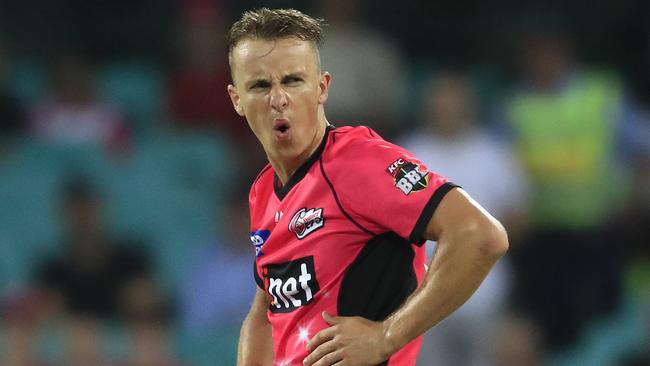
[[293, 80], [260, 85]]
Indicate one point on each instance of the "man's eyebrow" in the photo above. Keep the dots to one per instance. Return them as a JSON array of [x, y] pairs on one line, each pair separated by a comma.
[[294, 75]]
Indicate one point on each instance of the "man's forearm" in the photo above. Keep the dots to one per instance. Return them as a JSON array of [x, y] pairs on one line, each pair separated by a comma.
[[255, 339], [457, 269], [255, 343]]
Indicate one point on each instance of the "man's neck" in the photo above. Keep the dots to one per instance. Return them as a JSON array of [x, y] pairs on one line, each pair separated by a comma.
[[287, 167]]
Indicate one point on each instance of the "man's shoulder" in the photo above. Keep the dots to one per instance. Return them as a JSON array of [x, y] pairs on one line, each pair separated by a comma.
[[264, 177], [357, 153], [353, 141], [265, 173]]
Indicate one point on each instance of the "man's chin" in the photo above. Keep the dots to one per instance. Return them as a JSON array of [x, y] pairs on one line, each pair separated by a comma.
[[287, 152]]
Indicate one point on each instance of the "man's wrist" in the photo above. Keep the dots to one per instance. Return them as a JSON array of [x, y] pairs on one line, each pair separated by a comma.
[[392, 342]]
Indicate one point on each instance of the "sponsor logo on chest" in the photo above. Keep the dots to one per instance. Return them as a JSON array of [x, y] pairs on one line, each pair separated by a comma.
[[292, 284], [306, 221]]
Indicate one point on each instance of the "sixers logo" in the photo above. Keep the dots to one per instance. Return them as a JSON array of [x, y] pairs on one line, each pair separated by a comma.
[[408, 177], [306, 221]]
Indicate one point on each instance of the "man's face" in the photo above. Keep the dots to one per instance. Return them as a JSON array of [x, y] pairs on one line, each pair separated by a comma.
[[279, 88]]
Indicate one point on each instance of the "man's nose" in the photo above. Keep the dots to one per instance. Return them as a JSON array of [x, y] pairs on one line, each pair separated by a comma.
[[279, 99]]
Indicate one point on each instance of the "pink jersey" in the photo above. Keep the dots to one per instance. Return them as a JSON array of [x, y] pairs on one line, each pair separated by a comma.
[[344, 235]]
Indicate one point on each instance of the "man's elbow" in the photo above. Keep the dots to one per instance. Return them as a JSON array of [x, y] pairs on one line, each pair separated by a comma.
[[494, 239]]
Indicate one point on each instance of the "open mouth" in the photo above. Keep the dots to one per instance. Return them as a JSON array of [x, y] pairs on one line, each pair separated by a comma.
[[281, 127]]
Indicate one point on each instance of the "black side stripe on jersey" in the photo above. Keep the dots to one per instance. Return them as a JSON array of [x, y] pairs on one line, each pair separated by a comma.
[[379, 279], [427, 213], [338, 202]]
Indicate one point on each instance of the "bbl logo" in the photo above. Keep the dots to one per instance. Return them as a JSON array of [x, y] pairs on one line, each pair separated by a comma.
[[306, 221], [292, 284], [259, 238], [408, 177]]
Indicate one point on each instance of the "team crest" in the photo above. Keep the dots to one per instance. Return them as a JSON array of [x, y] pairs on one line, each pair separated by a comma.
[[408, 176], [306, 221]]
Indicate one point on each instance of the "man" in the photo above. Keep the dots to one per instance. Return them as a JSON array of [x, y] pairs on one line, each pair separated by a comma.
[[571, 124], [339, 215]]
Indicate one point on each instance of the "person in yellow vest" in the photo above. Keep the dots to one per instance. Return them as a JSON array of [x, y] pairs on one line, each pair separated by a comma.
[[570, 126]]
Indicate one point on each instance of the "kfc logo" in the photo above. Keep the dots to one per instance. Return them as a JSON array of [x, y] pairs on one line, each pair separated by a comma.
[[408, 176]]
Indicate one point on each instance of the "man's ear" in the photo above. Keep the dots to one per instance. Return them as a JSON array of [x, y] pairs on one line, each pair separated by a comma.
[[234, 98], [324, 87]]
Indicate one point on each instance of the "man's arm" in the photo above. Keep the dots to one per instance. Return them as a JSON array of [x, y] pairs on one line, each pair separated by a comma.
[[255, 339], [470, 241]]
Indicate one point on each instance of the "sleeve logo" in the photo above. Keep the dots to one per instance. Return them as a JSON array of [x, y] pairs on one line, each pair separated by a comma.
[[408, 177], [306, 221]]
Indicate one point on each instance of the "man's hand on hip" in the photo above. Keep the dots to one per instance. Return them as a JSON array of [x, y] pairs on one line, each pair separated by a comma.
[[349, 341]]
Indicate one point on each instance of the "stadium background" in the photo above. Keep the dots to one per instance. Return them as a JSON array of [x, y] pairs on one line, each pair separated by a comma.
[[123, 103]]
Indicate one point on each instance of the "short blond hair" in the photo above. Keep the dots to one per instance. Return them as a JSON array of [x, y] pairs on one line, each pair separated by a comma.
[[274, 24]]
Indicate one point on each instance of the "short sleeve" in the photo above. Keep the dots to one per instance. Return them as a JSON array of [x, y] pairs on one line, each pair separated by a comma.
[[385, 188]]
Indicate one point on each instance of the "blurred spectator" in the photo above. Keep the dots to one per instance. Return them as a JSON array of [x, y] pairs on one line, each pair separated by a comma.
[[149, 318], [20, 317], [149, 325], [219, 286], [575, 133], [451, 143], [197, 85], [84, 342], [197, 96], [94, 271], [368, 75], [518, 343], [152, 346], [634, 223], [12, 118], [98, 278], [72, 113]]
